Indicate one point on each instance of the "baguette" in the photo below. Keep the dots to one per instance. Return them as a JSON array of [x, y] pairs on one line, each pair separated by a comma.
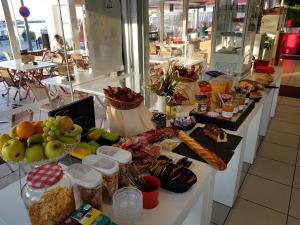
[[210, 157]]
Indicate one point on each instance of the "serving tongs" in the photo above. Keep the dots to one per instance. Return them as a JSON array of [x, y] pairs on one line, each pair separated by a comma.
[[136, 179]]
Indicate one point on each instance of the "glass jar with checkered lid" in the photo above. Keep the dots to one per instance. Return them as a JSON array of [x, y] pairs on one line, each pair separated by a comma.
[[48, 195]]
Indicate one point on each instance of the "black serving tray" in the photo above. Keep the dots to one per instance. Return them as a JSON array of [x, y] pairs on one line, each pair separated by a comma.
[[223, 150], [232, 124], [214, 73]]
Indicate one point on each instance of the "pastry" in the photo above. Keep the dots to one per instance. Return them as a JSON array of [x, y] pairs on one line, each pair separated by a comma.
[[255, 95], [215, 133], [210, 157]]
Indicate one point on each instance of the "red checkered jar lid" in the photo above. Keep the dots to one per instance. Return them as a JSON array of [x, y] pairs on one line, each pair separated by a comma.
[[44, 176]]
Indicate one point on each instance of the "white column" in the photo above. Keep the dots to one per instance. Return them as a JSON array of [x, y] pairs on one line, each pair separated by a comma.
[[185, 18], [10, 28], [84, 27], [74, 27], [162, 20]]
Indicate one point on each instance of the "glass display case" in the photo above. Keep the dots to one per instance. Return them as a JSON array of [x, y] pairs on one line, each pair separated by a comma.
[[234, 30]]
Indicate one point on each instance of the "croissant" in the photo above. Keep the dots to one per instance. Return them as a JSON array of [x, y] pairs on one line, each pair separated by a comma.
[[210, 157]]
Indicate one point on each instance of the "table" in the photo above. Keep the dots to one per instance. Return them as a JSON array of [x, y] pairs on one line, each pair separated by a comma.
[[19, 66], [159, 59], [96, 87], [81, 77], [18, 69], [86, 82], [192, 207], [81, 52]]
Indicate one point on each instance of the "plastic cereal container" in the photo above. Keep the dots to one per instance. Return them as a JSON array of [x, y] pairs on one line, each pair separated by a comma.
[[123, 157], [109, 169], [88, 181], [48, 195]]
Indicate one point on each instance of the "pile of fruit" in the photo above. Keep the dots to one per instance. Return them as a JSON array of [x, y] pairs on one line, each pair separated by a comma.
[[36, 141], [95, 137]]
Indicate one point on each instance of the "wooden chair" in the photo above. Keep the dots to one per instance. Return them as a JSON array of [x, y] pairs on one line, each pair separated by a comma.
[[80, 61], [40, 93], [11, 82]]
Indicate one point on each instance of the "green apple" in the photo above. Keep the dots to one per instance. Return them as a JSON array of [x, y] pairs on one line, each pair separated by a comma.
[[34, 153], [54, 149], [13, 150], [3, 139]]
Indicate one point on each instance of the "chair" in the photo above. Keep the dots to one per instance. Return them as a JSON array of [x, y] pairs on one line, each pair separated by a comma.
[[80, 61], [40, 93], [7, 55], [11, 82]]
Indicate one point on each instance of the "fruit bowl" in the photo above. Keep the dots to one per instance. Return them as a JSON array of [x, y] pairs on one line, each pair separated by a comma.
[[34, 143], [24, 162]]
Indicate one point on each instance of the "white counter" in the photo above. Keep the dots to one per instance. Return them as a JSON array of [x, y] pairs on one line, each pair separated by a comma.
[[193, 207]]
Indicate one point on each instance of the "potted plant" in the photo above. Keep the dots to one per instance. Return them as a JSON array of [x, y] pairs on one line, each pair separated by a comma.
[[163, 83], [268, 45]]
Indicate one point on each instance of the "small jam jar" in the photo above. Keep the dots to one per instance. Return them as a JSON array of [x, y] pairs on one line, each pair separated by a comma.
[[227, 110], [201, 105], [242, 102]]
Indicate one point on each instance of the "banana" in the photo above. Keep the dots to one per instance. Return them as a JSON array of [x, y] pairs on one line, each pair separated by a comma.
[[35, 139], [95, 133], [67, 140], [75, 132], [110, 136]]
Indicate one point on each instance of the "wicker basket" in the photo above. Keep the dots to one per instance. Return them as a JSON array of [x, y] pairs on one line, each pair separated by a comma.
[[124, 105], [187, 79]]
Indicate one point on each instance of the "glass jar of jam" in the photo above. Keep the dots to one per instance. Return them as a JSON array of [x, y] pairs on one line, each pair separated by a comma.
[[227, 110], [242, 102], [236, 106], [201, 104]]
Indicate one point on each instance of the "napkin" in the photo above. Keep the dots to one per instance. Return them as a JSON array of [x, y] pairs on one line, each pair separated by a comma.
[[131, 122]]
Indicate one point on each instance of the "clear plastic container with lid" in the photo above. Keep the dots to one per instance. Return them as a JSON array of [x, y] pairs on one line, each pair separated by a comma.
[[122, 156], [48, 195], [88, 181], [109, 169]]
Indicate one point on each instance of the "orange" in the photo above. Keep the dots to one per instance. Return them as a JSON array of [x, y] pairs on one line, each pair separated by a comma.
[[25, 129], [38, 127]]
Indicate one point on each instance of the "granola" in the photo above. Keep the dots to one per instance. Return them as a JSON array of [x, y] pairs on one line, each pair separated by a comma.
[[53, 208], [92, 196]]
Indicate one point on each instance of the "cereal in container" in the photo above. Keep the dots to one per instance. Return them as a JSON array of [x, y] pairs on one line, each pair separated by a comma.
[[109, 169], [88, 182], [48, 195], [122, 156]]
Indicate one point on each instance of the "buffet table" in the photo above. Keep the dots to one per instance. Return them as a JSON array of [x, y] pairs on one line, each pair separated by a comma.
[[227, 182], [191, 207]]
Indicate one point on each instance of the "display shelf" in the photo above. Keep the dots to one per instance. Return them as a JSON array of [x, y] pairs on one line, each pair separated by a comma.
[[234, 27]]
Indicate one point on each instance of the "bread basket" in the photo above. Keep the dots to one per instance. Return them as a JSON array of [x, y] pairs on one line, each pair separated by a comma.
[[121, 105]]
